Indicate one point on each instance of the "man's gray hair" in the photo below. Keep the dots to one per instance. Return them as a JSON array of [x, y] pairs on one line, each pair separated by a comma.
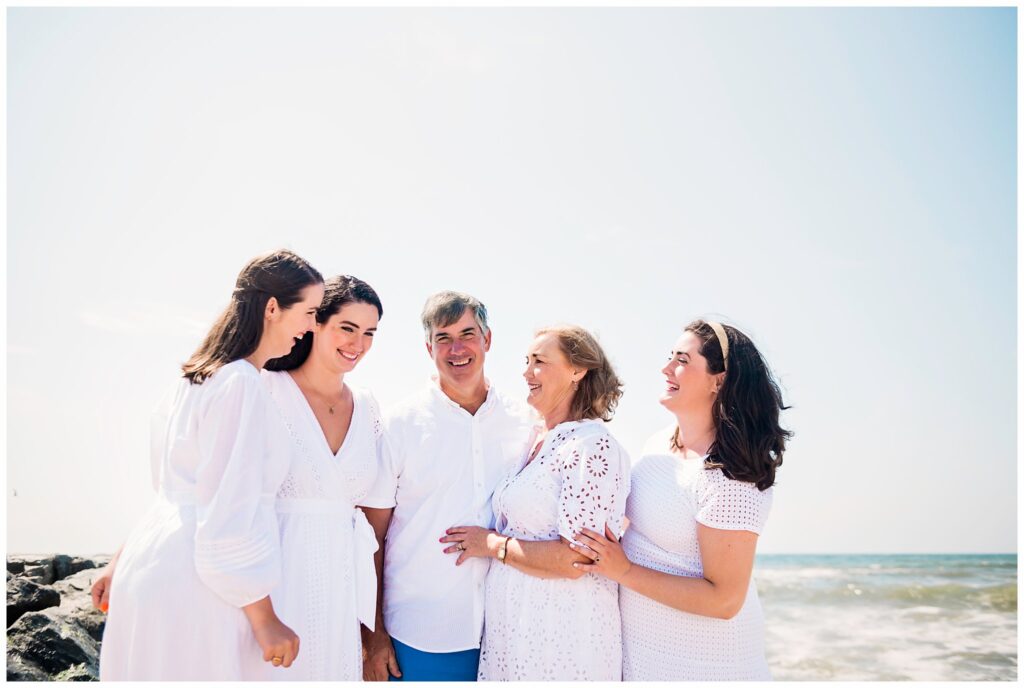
[[446, 307]]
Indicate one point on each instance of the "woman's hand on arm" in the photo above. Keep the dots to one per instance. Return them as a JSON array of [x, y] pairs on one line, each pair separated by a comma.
[[727, 557]]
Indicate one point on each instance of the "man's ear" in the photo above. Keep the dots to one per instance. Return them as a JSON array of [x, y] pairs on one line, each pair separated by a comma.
[[487, 340]]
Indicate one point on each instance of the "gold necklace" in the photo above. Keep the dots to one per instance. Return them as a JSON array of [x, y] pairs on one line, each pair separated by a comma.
[[330, 407]]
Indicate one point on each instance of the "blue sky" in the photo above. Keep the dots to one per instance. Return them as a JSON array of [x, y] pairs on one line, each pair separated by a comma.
[[840, 184]]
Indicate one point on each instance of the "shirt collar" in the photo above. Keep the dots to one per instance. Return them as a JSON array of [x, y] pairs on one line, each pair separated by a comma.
[[435, 388]]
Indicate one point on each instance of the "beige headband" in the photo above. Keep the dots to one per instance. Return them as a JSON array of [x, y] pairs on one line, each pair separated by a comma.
[[723, 341]]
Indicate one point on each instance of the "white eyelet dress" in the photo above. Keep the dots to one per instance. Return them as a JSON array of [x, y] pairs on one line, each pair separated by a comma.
[[538, 629], [328, 583], [669, 497]]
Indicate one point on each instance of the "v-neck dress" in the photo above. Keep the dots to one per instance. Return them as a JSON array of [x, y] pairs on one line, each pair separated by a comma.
[[328, 584], [559, 629]]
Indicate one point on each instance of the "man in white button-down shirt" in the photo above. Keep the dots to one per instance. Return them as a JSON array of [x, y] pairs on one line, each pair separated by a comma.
[[446, 449]]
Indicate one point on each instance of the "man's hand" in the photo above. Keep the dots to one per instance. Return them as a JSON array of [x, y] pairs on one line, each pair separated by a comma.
[[379, 661]]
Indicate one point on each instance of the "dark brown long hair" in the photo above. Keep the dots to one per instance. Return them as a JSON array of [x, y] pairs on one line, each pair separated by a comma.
[[338, 291], [749, 442], [237, 332], [599, 391]]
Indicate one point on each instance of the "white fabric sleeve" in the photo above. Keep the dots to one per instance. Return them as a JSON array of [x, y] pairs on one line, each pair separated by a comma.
[[385, 487], [237, 550], [729, 504], [595, 480]]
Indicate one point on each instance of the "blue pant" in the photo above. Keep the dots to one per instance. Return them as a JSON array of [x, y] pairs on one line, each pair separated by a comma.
[[417, 665]]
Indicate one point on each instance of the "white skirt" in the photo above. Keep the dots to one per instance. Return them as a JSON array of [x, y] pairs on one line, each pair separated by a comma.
[[164, 623]]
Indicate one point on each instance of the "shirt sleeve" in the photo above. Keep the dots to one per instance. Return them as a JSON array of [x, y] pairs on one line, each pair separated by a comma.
[[237, 553], [595, 480], [729, 504], [385, 486]]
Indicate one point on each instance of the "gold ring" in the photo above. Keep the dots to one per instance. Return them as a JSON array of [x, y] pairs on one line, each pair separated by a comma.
[[276, 661], [461, 547]]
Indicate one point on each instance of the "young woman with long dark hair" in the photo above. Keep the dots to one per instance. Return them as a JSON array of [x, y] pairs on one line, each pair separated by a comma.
[[329, 585], [700, 497], [188, 594]]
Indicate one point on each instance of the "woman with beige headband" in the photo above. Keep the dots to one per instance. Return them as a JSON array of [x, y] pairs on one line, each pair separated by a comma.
[[700, 496]]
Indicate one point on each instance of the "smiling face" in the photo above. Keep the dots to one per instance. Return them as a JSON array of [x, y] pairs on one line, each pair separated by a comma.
[[458, 351], [341, 342], [549, 376], [283, 327], [688, 384]]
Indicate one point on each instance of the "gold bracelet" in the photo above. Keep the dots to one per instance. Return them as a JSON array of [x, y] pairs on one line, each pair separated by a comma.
[[503, 550]]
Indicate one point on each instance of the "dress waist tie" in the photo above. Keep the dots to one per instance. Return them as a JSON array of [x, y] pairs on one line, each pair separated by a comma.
[[364, 545]]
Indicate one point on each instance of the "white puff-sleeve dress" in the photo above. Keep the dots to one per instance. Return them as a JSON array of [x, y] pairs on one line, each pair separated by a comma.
[[557, 629], [670, 496], [209, 544], [329, 584]]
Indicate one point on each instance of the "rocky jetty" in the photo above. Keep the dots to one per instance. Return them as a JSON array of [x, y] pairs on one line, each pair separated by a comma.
[[53, 631]]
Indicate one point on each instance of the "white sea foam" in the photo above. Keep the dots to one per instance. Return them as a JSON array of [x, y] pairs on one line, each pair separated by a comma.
[[904, 622]]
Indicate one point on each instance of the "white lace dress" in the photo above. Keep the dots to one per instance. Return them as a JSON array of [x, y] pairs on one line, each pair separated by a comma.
[[669, 497], [328, 584], [209, 544], [557, 629]]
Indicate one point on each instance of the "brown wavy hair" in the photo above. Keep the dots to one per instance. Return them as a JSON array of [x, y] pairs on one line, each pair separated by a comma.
[[237, 332], [599, 391], [749, 442]]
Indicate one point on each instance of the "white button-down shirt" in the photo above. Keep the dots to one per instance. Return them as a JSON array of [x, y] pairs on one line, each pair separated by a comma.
[[439, 468]]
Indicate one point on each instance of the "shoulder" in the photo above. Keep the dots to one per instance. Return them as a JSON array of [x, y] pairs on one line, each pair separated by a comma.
[[658, 443], [237, 377], [363, 396], [594, 439], [274, 380], [233, 385], [410, 409], [712, 483], [513, 409]]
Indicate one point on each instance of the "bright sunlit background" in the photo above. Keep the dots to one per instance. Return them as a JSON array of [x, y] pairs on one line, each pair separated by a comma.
[[840, 184]]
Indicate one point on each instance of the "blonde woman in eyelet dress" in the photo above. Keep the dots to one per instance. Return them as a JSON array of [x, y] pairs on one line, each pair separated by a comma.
[[544, 619], [328, 586], [701, 494]]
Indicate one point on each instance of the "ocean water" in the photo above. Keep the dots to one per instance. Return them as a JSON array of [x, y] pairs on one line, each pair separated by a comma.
[[890, 617]]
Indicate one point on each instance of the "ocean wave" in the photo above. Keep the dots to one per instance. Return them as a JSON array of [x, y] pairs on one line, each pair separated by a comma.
[[1000, 598]]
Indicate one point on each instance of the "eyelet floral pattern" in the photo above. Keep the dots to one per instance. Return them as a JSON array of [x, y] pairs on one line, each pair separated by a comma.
[[557, 629]]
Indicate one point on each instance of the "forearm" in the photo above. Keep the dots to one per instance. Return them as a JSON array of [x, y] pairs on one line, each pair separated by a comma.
[[693, 595], [543, 558], [260, 612], [378, 564]]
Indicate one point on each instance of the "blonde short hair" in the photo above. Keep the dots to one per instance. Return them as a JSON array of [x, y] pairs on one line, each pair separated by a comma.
[[599, 391]]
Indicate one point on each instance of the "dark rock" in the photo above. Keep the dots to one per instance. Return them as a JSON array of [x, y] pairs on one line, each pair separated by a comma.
[[64, 565], [61, 642], [20, 670], [79, 672], [41, 571], [52, 642], [24, 595], [76, 602]]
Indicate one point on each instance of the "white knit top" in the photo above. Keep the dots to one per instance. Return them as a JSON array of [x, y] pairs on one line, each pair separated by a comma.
[[669, 496]]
